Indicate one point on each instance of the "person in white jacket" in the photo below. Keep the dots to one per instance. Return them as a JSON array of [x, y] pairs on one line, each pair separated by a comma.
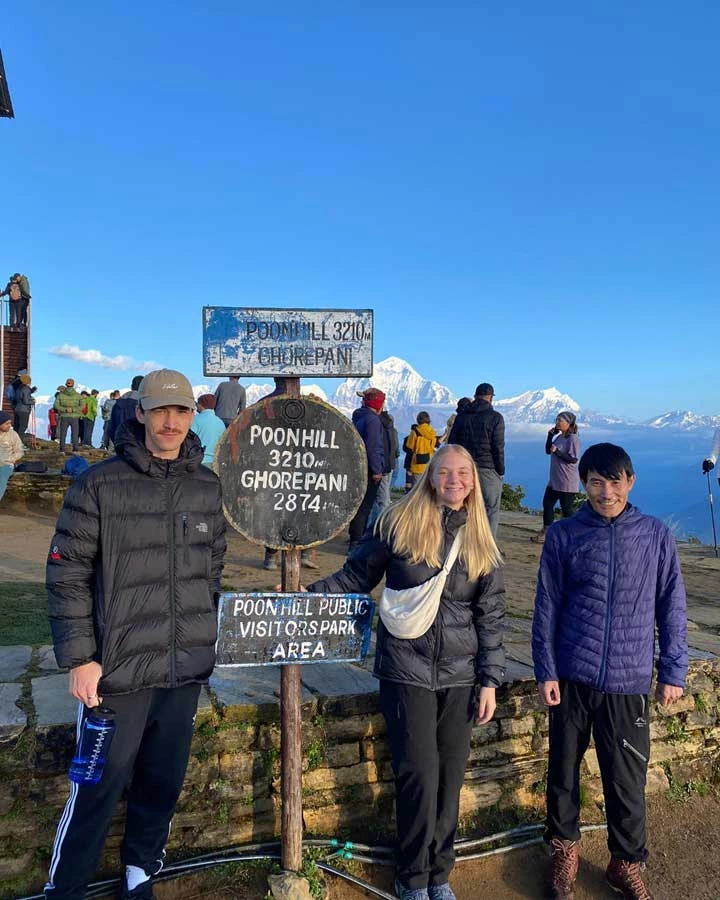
[[11, 450], [709, 462]]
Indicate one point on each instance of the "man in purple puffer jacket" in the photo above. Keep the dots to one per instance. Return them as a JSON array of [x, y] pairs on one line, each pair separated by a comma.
[[607, 576]]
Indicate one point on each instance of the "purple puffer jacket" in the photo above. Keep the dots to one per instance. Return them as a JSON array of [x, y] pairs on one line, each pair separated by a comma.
[[602, 586]]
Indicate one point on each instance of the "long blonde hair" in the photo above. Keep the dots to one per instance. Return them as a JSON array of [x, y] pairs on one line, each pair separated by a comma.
[[413, 525]]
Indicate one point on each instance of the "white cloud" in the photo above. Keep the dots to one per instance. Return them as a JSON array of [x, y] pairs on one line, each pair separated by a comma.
[[96, 358]]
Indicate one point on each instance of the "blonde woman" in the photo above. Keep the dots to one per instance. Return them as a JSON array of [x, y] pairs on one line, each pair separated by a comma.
[[433, 687]]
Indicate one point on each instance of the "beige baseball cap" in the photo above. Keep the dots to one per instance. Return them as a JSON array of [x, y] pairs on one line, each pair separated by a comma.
[[165, 387]]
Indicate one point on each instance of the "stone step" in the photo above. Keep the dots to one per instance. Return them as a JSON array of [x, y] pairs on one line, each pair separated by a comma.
[[12, 719]]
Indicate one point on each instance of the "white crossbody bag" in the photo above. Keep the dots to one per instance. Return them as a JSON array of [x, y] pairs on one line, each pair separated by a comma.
[[408, 613]]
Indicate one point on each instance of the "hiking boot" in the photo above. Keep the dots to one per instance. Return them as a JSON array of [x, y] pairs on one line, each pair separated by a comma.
[[441, 892], [564, 868], [410, 893], [625, 878], [270, 561]]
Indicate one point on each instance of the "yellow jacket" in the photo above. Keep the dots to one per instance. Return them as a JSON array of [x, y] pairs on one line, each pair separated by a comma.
[[419, 447]]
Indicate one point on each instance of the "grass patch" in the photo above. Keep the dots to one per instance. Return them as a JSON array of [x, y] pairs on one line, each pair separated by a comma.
[[25, 614]]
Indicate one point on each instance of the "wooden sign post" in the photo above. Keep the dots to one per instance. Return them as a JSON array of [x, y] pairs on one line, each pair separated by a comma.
[[294, 473], [291, 720]]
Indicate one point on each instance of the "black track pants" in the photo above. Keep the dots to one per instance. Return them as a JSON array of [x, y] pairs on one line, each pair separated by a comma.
[[429, 733], [149, 754], [620, 726]]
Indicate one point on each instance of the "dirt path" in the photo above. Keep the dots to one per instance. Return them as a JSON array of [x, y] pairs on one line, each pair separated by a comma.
[[684, 863]]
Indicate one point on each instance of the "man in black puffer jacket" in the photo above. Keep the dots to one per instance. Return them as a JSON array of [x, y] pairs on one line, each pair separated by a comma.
[[133, 578], [481, 431]]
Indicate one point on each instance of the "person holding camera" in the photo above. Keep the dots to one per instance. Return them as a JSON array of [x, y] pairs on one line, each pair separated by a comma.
[[563, 448]]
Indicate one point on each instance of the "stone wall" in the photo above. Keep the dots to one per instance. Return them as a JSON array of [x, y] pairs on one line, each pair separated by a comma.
[[232, 791], [42, 492]]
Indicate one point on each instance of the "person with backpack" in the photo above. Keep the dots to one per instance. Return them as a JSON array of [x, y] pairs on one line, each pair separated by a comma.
[[24, 284], [69, 405], [22, 405], [25, 298], [14, 294], [419, 447]]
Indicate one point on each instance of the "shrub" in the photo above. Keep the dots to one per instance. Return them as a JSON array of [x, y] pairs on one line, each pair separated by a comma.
[[512, 498]]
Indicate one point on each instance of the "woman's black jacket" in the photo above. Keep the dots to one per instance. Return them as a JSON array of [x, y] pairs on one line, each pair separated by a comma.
[[464, 645], [134, 567]]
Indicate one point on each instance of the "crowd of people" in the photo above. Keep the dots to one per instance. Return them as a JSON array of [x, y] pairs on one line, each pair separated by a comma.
[[145, 647]]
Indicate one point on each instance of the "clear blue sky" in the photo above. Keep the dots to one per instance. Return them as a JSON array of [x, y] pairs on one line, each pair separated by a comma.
[[525, 193]]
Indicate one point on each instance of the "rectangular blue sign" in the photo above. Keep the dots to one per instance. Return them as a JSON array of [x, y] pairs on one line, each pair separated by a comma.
[[266, 629], [331, 343]]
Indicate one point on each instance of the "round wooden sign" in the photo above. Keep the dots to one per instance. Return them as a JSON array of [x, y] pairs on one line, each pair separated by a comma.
[[293, 472]]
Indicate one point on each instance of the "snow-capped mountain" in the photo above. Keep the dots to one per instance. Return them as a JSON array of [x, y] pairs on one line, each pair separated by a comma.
[[536, 406], [402, 385], [683, 418], [408, 392]]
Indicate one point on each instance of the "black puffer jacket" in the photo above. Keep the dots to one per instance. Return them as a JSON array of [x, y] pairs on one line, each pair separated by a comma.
[[481, 431], [134, 567], [464, 643]]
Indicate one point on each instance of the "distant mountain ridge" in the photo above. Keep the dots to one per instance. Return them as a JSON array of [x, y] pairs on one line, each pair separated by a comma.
[[402, 385], [408, 392]]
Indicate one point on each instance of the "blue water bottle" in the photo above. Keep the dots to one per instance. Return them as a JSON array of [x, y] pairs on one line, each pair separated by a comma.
[[92, 748]]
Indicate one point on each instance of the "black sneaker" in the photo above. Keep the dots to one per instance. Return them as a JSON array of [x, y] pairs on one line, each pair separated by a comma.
[[143, 891]]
